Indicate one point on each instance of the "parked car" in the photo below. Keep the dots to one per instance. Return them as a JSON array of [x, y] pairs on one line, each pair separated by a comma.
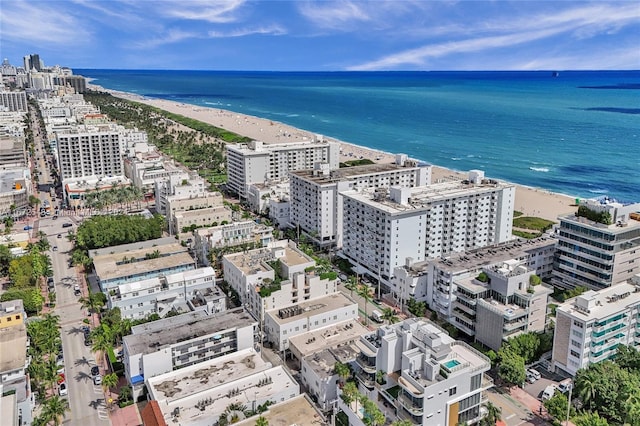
[[67, 225], [534, 373], [564, 385], [97, 380], [55, 248], [59, 235], [62, 389], [76, 289], [548, 392], [28, 228], [95, 371]]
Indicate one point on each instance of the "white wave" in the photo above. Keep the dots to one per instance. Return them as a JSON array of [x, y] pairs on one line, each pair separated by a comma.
[[539, 169], [456, 158], [598, 191], [293, 115]]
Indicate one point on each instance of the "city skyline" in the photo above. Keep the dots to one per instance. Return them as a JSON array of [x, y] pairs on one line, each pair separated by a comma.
[[324, 35]]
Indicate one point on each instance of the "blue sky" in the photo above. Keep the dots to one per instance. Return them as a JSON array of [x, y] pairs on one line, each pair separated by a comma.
[[323, 35]]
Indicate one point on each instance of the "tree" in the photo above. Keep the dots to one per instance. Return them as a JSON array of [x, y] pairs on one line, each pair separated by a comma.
[[557, 406], [5, 259], [586, 385], [591, 419], [402, 423], [535, 280], [511, 368], [109, 381], [526, 345], [365, 292], [92, 303], [372, 415], [342, 370], [350, 394], [101, 344], [389, 315], [261, 421], [416, 308], [55, 410], [493, 415], [628, 358], [352, 284]]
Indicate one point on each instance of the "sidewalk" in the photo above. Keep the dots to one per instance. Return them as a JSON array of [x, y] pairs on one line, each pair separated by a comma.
[[531, 403]]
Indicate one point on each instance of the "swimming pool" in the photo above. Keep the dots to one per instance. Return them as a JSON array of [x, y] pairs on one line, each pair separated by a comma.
[[451, 364]]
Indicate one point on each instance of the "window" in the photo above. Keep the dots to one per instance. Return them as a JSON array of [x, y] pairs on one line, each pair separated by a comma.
[[476, 381], [578, 324], [452, 391], [574, 353], [576, 343]]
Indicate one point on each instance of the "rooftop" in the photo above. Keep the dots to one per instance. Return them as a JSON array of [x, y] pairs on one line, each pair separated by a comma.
[[313, 341], [176, 329], [297, 411], [603, 303], [421, 197], [8, 179], [324, 361], [614, 228], [12, 342], [486, 256], [111, 266], [347, 173], [316, 306]]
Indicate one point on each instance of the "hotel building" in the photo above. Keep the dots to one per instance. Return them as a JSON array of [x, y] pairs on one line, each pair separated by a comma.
[[257, 162], [590, 327], [596, 255], [381, 230], [316, 206]]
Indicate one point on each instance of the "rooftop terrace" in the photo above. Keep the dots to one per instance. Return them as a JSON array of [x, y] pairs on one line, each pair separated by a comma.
[[312, 307], [333, 335], [347, 173]]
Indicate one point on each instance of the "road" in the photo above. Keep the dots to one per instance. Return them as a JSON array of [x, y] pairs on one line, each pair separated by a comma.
[[85, 400]]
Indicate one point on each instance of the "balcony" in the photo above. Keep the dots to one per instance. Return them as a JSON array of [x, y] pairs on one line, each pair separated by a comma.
[[367, 379], [411, 404], [368, 364]]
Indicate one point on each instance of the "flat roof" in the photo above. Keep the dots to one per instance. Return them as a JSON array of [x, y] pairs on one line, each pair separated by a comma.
[[252, 262], [611, 229], [293, 257], [326, 337], [603, 303], [12, 341], [160, 336], [485, 256], [297, 411], [110, 266], [316, 306], [346, 173], [421, 197], [324, 361]]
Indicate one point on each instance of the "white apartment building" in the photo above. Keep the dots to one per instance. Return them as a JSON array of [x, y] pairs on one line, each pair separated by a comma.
[[430, 378], [317, 206], [13, 101], [237, 378], [181, 185], [85, 151], [206, 209], [168, 344], [257, 162], [590, 327], [381, 230], [15, 188], [594, 254], [259, 195], [145, 168], [281, 324], [229, 235], [162, 294]]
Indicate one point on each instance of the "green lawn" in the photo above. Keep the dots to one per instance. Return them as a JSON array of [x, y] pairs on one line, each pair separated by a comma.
[[534, 223], [527, 235]]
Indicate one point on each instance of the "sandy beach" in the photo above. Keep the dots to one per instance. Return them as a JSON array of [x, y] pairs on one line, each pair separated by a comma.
[[529, 201]]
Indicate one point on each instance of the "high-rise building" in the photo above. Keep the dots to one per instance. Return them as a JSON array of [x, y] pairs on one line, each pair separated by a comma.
[[590, 327], [317, 202], [257, 162], [381, 230], [599, 246], [86, 151]]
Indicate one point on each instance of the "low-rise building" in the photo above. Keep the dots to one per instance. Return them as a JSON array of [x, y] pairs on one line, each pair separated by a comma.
[[165, 345], [181, 185], [199, 394], [15, 188], [218, 238], [15, 389], [139, 261], [590, 327], [283, 323], [165, 293], [430, 378]]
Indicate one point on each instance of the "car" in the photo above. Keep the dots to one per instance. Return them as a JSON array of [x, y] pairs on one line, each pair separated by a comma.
[[67, 225], [564, 385], [97, 380], [548, 393], [377, 301], [55, 248], [28, 228], [534, 373], [95, 371], [62, 389], [50, 281], [55, 216], [87, 341], [76, 289], [531, 378], [59, 235]]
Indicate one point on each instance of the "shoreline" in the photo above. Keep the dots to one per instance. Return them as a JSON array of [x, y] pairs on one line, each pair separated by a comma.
[[531, 201]]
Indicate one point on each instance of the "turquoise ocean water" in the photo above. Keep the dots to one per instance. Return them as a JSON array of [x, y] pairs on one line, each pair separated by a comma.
[[577, 133]]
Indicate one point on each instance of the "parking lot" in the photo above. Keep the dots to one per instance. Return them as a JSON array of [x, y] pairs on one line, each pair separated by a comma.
[[535, 389]]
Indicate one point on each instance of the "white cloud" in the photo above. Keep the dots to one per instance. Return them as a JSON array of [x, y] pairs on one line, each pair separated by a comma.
[[334, 14], [38, 23], [218, 12], [169, 37], [242, 32], [579, 23]]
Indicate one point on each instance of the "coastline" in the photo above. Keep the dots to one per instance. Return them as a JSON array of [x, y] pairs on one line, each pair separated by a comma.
[[528, 200]]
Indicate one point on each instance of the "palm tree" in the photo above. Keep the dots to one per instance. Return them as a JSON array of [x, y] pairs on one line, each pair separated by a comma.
[[350, 394], [402, 423], [261, 421], [342, 370], [365, 293], [586, 384], [493, 414], [55, 410], [92, 303], [101, 344], [352, 284], [389, 315], [109, 382]]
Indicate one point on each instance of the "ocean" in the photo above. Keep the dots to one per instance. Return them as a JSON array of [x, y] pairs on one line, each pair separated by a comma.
[[577, 133]]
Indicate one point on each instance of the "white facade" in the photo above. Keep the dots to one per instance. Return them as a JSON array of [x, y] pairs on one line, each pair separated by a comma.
[[165, 345], [441, 380], [596, 255], [159, 295], [382, 230], [229, 235], [13, 101], [257, 162], [282, 324], [182, 185], [317, 206], [90, 151], [590, 327]]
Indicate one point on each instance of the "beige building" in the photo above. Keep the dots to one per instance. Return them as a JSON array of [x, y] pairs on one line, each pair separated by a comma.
[[201, 210]]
